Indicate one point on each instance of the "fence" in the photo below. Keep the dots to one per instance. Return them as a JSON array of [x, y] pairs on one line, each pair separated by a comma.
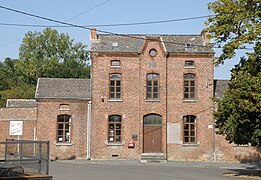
[[32, 156]]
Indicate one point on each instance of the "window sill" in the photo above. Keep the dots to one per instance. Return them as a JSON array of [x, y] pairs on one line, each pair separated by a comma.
[[63, 144], [152, 100], [115, 144], [64, 109], [190, 67], [115, 66], [190, 145], [115, 100], [189, 100]]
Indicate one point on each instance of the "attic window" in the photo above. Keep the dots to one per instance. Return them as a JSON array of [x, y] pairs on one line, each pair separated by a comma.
[[188, 45]]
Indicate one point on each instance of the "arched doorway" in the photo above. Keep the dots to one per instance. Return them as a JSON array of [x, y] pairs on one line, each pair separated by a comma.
[[152, 133]]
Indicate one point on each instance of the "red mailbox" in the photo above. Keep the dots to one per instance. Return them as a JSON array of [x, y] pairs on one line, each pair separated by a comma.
[[131, 144]]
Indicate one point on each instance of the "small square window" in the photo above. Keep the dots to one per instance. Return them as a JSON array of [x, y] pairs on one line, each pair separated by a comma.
[[189, 63], [115, 63]]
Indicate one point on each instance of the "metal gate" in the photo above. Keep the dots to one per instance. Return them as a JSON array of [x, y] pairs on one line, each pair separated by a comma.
[[32, 156]]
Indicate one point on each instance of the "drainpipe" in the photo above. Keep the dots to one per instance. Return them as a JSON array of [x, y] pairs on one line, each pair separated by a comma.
[[89, 110], [166, 126], [214, 137], [140, 131], [89, 131]]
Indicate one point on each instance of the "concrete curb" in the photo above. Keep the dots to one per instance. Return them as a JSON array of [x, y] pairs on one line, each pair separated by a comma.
[[246, 166]]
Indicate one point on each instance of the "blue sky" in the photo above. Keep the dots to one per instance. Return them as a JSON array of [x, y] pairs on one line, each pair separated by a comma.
[[91, 12]]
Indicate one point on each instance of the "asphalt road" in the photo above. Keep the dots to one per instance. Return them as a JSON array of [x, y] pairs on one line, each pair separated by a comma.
[[134, 170]]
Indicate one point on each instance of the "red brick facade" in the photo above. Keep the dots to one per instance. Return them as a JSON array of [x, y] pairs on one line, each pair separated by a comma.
[[171, 106], [133, 106], [26, 115], [47, 126]]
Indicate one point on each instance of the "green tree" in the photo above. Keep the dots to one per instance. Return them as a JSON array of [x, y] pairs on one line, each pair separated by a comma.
[[239, 112], [23, 91], [8, 76], [42, 54], [11, 85], [50, 54], [236, 24]]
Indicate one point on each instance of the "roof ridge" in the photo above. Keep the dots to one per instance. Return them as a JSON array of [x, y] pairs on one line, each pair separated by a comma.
[[150, 34], [65, 78]]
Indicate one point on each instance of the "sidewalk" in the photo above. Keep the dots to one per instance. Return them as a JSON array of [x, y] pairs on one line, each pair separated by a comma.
[[247, 166], [256, 166]]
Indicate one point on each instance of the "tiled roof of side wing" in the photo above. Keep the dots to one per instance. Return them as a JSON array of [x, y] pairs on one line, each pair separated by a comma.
[[61, 88], [134, 42], [21, 103]]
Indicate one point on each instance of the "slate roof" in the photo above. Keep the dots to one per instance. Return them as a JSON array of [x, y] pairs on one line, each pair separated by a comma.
[[21, 103], [219, 88], [61, 88], [134, 43]]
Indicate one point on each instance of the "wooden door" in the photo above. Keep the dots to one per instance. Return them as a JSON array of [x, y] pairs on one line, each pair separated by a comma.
[[152, 139], [152, 134]]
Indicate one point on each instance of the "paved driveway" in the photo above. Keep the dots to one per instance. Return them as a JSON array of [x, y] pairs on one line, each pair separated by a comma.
[[134, 170]]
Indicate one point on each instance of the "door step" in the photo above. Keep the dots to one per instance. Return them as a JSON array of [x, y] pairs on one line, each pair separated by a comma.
[[153, 157]]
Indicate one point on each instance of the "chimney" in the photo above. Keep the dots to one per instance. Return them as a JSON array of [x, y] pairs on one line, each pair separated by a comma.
[[93, 34], [206, 35]]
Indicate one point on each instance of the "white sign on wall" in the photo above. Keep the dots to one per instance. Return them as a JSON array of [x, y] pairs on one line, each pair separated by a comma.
[[173, 133], [16, 128]]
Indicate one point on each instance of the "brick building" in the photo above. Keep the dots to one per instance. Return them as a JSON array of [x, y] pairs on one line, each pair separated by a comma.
[[63, 115], [149, 98], [18, 121], [154, 91]]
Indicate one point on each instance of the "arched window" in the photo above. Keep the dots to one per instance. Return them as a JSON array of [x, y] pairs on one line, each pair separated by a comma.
[[189, 86], [152, 86], [152, 119], [115, 86], [114, 135], [189, 129], [64, 128]]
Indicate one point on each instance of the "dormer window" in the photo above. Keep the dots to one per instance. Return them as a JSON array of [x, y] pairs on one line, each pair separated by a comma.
[[189, 64], [188, 45], [115, 63], [115, 44]]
